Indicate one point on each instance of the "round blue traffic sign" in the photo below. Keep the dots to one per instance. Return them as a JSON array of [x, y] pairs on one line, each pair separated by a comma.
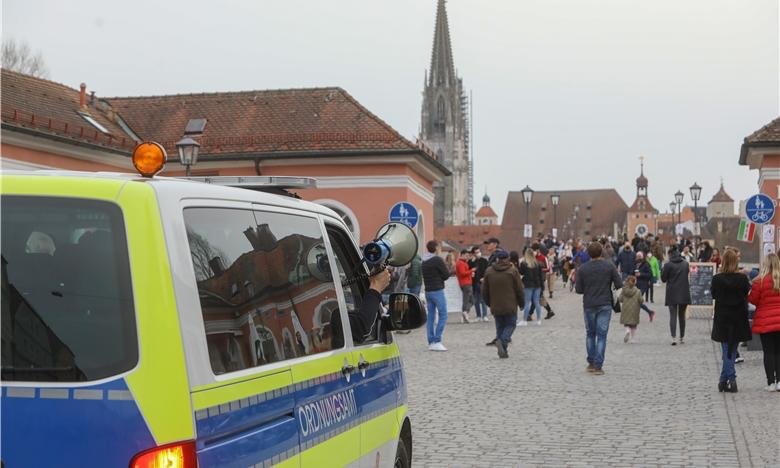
[[404, 212], [760, 209]]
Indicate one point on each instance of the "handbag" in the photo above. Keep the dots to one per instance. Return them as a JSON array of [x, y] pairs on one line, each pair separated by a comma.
[[615, 305]]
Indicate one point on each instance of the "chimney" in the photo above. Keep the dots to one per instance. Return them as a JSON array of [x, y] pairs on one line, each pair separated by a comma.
[[92, 98], [83, 95]]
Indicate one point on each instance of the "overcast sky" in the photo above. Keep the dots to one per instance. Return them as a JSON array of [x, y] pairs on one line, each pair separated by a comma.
[[567, 93]]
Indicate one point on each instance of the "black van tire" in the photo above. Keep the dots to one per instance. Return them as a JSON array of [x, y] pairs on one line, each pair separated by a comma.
[[402, 456]]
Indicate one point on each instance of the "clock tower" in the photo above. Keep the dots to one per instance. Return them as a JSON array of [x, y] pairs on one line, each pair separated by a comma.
[[641, 216]]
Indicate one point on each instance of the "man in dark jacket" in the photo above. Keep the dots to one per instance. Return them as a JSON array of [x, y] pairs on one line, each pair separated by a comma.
[[678, 291], [595, 281], [626, 261], [435, 273], [414, 276], [480, 265], [503, 291]]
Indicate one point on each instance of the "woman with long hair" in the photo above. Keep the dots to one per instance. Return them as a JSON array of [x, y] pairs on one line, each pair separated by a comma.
[[765, 295], [730, 324], [678, 291], [531, 272]]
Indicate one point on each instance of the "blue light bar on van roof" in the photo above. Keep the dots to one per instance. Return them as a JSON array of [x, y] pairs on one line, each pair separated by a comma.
[[259, 182]]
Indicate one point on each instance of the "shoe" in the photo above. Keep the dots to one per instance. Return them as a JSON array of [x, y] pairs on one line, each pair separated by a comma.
[[464, 317], [674, 341], [652, 315], [598, 371], [438, 347], [522, 323], [486, 318], [491, 343], [551, 295], [501, 349], [681, 340], [771, 388], [430, 347], [627, 336], [539, 322], [590, 368], [550, 314], [739, 359], [721, 387], [731, 386], [777, 384]]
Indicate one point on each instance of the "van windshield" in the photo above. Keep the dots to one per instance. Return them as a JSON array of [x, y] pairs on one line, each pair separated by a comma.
[[67, 306]]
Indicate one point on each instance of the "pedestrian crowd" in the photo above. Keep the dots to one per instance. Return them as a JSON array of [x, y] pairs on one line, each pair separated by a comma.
[[612, 277]]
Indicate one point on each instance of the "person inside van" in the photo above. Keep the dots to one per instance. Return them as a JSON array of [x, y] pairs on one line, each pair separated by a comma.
[[363, 320]]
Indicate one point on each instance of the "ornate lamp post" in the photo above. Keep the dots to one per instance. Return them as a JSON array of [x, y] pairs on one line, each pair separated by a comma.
[[528, 195], [695, 194], [678, 198], [188, 152], [555, 198]]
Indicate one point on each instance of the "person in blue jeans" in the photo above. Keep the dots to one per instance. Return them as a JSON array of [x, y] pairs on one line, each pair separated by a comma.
[[595, 281], [435, 272], [480, 265], [533, 279]]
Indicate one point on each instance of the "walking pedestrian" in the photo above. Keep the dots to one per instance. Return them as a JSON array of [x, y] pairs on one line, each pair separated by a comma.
[[435, 272], [480, 265], [730, 324], [655, 268], [643, 277], [765, 295], [541, 259], [552, 262], [626, 261], [595, 281], [531, 272], [414, 276], [465, 275], [678, 292], [503, 291], [630, 301]]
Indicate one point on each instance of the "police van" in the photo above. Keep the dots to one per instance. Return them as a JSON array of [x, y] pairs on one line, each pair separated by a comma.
[[160, 322]]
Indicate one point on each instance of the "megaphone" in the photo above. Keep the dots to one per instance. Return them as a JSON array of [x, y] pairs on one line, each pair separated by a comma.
[[395, 245]]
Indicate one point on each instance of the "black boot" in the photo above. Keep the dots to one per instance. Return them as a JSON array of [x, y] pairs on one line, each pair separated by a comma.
[[550, 313], [731, 386], [721, 387]]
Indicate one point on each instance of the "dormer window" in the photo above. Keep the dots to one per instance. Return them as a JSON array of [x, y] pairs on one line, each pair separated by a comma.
[[94, 122]]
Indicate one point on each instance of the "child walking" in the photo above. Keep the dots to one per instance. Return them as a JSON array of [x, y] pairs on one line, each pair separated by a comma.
[[630, 301]]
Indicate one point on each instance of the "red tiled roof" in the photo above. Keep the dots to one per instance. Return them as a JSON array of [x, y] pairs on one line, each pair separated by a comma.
[[635, 206], [467, 236], [721, 196], [316, 119], [485, 212], [766, 136], [52, 108]]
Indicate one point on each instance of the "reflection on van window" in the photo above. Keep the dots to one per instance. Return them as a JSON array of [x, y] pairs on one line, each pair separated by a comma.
[[67, 307], [264, 283]]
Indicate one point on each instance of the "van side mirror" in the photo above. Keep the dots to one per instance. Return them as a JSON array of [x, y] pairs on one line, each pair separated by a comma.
[[406, 312]]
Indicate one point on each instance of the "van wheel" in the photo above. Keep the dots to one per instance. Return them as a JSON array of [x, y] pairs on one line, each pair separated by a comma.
[[402, 456]]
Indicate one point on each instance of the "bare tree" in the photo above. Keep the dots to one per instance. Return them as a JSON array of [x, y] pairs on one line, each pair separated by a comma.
[[18, 56]]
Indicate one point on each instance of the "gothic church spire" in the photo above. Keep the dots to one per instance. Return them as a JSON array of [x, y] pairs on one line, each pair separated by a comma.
[[442, 65]]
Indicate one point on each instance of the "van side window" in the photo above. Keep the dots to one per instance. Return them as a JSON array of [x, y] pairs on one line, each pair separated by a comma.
[[265, 287], [349, 266]]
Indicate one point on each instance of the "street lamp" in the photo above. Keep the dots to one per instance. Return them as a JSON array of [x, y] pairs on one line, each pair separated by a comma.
[[678, 198], [695, 194], [188, 152], [528, 195], [555, 200]]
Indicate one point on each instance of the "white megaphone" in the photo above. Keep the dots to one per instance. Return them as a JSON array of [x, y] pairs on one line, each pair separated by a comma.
[[395, 245]]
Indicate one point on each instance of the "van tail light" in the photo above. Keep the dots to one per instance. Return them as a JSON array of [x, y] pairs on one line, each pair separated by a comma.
[[177, 455]]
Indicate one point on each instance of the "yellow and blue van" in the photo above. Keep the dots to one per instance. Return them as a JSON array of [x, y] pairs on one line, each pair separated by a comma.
[[157, 322]]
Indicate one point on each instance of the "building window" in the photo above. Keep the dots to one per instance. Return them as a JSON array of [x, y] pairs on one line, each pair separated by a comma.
[[441, 115]]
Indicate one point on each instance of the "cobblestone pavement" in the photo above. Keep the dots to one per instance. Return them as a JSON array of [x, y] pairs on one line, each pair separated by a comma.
[[657, 405]]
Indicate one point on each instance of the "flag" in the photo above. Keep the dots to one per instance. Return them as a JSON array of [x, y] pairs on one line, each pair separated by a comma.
[[746, 231]]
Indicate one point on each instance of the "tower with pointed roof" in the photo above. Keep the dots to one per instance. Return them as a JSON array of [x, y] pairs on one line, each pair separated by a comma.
[[721, 205], [485, 215], [641, 216], [444, 128]]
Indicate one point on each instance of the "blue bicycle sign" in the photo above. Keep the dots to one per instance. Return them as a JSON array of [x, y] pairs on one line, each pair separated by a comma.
[[760, 209]]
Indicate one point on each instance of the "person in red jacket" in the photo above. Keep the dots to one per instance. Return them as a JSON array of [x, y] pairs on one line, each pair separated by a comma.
[[765, 295], [465, 275]]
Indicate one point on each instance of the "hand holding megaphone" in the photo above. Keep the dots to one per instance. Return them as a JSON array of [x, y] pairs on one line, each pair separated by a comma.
[[381, 280]]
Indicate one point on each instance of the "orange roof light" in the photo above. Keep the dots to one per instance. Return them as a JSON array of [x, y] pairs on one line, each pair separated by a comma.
[[149, 158]]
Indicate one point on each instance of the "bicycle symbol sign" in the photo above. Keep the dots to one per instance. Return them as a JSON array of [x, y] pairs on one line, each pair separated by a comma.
[[760, 209]]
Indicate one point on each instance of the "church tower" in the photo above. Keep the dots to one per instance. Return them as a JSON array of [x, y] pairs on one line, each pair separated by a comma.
[[444, 129], [641, 215]]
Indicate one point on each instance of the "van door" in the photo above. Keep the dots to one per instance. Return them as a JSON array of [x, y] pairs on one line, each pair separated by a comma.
[[378, 380], [243, 394]]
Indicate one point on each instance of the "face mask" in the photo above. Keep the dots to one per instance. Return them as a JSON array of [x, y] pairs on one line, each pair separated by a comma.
[[478, 254]]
